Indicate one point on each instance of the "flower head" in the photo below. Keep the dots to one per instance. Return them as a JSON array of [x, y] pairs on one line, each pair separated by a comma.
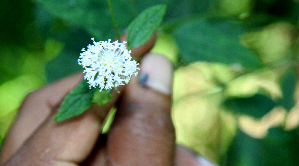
[[107, 64]]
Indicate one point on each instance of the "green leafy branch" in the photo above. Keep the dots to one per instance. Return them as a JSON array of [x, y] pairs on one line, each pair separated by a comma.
[[82, 97]]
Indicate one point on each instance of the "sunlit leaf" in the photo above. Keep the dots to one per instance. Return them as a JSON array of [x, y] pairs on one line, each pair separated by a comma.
[[214, 41], [142, 27], [52, 48], [103, 97], [76, 102], [6, 121], [108, 121], [13, 92], [166, 46]]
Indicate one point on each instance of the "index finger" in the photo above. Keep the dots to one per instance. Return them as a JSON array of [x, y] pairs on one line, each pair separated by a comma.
[[40, 104]]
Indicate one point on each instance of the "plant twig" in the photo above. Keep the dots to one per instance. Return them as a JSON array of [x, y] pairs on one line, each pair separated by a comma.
[[113, 19]]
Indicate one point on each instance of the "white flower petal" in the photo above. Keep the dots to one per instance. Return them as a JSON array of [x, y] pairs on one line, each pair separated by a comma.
[[107, 65]]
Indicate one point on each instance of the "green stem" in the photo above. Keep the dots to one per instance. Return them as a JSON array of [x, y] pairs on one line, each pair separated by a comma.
[[113, 19]]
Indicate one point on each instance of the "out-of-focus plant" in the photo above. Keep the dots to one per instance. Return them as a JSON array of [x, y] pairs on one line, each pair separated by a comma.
[[235, 94]]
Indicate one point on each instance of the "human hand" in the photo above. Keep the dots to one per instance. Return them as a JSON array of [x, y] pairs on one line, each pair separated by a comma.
[[142, 132]]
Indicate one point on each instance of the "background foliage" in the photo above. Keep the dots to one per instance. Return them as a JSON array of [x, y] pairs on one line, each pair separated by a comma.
[[235, 97]]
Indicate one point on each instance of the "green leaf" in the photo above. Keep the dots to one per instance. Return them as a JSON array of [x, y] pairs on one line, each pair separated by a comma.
[[279, 147], [92, 15], [179, 8], [108, 121], [74, 41], [214, 41], [103, 97], [16, 16], [76, 102], [288, 86], [142, 28], [1, 142], [256, 106]]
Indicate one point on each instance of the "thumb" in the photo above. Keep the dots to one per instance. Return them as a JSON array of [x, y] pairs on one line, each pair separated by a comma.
[[142, 132]]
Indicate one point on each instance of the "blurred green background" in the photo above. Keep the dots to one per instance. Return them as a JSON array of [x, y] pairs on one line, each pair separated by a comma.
[[235, 97]]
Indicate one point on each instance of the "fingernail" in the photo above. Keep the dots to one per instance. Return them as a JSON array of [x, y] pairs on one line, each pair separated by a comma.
[[157, 73], [143, 77], [204, 161]]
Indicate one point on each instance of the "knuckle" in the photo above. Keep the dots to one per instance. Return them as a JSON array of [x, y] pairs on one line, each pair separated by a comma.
[[149, 116], [30, 98]]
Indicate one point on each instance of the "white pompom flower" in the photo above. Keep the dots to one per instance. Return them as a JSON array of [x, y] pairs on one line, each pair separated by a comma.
[[107, 64]]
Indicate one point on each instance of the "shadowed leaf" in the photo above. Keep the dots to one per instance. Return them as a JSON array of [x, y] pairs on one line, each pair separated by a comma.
[[76, 102], [256, 106], [288, 85]]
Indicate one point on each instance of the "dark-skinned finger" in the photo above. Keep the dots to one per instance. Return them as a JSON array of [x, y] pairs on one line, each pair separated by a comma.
[[142, 132], [185, 156], [33, 112], [64, 143]]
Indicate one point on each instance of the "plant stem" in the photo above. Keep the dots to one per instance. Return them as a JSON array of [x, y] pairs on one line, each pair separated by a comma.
[[113, 19]]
